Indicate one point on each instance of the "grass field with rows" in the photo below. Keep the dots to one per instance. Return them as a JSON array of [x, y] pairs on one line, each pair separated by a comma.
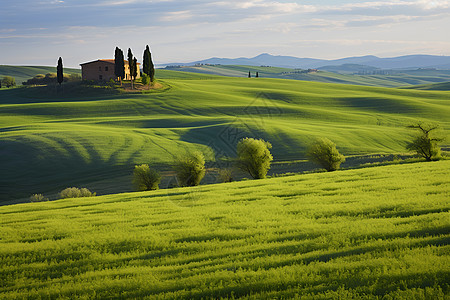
[[373, 233]]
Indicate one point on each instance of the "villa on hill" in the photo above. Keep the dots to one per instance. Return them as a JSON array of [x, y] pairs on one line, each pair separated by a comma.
[[103, 70]]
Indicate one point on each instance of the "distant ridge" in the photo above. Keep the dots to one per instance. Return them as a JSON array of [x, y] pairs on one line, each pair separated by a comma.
[[265, 59]]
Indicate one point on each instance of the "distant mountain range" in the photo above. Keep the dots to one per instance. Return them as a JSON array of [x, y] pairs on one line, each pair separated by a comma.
[[400, 62]]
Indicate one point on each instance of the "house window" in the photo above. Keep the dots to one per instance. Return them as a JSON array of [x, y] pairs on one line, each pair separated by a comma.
[[100, 77], [106, 68], [99, 68]]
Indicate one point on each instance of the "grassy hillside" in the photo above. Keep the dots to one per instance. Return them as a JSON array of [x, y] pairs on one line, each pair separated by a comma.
[[52, 139], [23, 73], [444, 86], [358, 234], [396, 79]]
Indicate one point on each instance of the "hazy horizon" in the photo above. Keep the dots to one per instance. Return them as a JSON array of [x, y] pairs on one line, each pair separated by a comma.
[[37, 33]]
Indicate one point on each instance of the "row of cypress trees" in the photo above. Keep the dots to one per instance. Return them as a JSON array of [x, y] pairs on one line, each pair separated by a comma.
[[119, 69]]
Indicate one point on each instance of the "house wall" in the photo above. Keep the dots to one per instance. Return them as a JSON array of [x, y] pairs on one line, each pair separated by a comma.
[[127, 71], [103, 71], [98, 70]]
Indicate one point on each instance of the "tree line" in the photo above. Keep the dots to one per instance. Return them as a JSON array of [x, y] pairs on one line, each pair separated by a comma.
[[148, 70]]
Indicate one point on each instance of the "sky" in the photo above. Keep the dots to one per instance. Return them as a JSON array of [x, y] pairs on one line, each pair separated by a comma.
[[37, 32]]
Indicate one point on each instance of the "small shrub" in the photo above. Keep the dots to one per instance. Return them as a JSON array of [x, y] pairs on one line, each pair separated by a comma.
[[145, 79], [254, 157], [51, 78], [226, 175], [74, 77], [38, 198], [190, 169], [74, 192], [145, 179], [324, 153]]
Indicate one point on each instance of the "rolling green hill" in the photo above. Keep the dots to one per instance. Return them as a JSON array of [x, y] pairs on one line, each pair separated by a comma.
[[374, 233], [23, 73], [392, 79], [443, 86], [82, 136]]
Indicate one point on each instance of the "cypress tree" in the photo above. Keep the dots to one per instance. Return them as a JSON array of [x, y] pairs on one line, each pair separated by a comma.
[[130, 65], [145, 62], [135, 68], [249, 75], [152, 67], [257, 74], [59, 71], [119, 70], [148, 67], [122, 66]]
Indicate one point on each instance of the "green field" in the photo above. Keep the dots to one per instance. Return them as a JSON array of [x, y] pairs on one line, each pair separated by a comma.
[[374, 233], [23, 73], [92, 137], [396, 79]]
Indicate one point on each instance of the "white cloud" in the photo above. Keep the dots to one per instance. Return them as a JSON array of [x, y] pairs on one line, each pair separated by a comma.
[[177, 16], [89, 28]]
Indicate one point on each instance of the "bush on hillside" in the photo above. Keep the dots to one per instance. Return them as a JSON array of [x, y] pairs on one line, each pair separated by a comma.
[[74, 192], [324, 152], [226, 175], [145, 179], [51, 78], [145, 79], [8, 81], [254, 157], [190, 169], [38, 198], [426, 143]]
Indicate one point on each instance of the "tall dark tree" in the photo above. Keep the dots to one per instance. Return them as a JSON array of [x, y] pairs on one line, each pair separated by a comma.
[[59, 71], [249, 74], [130, 65], [122, 64], [119, 68], [135, 68], [148, 67], [152, 67], [145, 61], [257, 74]]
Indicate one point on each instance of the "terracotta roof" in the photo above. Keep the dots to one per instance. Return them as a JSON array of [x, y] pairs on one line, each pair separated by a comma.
[[111, 61]]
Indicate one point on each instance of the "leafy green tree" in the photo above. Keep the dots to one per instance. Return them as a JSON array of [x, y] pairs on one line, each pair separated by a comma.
[[145, 179], [119, 67], [254, 157], [130, 65], [324, 152], [426, 144], [59, 71], [8, 81], [190, 169]]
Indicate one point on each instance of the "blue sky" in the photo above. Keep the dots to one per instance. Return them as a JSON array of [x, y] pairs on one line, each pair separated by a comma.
[[37, 32]]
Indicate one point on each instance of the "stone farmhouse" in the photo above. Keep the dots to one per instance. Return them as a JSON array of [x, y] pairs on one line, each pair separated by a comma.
[[103, 70]]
